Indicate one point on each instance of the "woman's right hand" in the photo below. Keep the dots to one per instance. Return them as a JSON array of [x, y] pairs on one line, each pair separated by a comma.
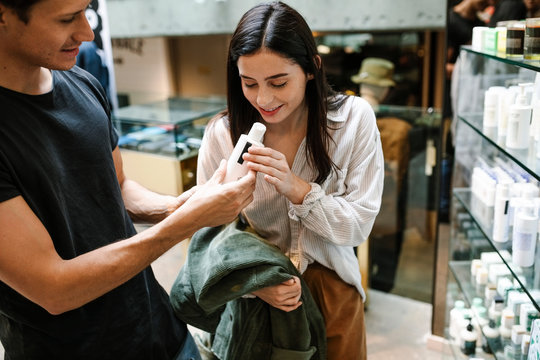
[[284, 296]]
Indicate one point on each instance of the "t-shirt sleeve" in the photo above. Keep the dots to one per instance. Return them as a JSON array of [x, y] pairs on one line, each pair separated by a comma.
[[8, 190], [113, 134]]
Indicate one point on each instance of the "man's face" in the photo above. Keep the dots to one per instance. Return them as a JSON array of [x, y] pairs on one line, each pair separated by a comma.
[[51, 37], [532, 5], [480, 5]]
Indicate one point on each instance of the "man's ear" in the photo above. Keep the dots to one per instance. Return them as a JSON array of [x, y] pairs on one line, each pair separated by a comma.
[[2, 14]]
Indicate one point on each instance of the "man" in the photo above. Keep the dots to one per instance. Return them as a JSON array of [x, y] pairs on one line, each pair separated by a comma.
[[75, 280], [508, 10], [533, 8]]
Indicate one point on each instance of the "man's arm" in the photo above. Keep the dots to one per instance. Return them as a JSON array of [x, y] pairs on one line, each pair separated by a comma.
[[30, 264], [144, 205]]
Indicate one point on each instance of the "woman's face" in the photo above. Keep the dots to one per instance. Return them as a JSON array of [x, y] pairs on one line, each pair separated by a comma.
[[274, 85]]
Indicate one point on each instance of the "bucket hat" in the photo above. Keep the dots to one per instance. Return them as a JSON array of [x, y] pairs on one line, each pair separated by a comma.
[[375, 71]]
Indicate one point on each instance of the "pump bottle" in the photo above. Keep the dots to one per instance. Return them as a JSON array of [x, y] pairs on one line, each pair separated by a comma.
[[235, 166], [524, 235], [519, 121], [468, 339], [500, 213]]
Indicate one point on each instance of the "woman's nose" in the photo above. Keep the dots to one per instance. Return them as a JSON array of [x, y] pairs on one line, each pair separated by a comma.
[[264, 97]]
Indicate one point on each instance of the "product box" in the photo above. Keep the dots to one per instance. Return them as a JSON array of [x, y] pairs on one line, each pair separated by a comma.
[[534, 347]]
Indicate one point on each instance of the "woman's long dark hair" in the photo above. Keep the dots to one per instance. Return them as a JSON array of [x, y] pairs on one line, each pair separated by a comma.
[[281, 29]]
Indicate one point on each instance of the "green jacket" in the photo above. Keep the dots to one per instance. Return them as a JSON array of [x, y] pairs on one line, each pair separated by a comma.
[[222, 265]]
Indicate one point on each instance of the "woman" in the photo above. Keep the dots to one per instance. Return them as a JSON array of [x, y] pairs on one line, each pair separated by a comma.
[[320, 174]]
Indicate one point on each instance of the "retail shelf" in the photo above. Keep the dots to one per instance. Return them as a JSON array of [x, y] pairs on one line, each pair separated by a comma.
[[461, 270], [514, 62], [526, 159], [482, 147], [526, 277]]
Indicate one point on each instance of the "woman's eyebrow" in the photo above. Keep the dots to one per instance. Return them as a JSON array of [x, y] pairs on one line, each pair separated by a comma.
[[268, 78]]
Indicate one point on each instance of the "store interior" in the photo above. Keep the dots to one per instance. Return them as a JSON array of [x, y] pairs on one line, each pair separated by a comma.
[[451, 266], [400, 260], [186, 74], [434, 224]]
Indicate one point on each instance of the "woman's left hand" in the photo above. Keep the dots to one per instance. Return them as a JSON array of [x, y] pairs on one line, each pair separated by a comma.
[[275, 168]]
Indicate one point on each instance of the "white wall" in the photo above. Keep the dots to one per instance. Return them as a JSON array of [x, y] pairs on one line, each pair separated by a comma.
[[138, 18], [143, 68]]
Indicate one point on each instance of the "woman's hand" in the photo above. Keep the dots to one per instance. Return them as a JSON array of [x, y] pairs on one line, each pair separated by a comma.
[[275, 168], [285, 296]]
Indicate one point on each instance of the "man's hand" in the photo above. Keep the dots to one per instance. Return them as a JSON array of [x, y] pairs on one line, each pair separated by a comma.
[[217, 203]]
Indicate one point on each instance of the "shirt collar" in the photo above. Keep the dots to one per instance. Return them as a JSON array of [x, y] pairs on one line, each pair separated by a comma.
[[339, 114]]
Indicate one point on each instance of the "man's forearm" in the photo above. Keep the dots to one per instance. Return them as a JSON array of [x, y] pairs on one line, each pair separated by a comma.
[[144, 205]]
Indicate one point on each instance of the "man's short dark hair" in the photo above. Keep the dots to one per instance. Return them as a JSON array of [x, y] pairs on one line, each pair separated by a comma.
[[21, 7]]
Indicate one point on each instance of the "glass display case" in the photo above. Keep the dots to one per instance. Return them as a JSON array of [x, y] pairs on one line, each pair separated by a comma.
[[493, 287], [159, 140], [409, 137]]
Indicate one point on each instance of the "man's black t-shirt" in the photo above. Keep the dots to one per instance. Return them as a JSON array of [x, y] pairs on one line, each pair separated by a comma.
[[56, 152]]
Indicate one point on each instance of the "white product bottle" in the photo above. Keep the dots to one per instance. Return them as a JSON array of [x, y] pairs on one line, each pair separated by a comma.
[[468, 340], [525, 344], [491, 109], [235, 166], [500, 213], [455, 314], [524, 235], [481, 281], [505, 102], [491, 339], [518, 332], [507, 321], [519, 122]]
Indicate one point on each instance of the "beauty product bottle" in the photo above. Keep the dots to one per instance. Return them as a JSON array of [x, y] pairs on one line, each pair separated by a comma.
[[496, 308], [505, 102], [492, 98], [468, 339], [501, 40], [517, 336], [491, 339], [531, 40], [524, 234], [475, 265], [479, 321], [515, 34], [507, 321], [235, 166], [519, 122], [500, 216], [481, 281], [535, 117], [455, 314], [477, 40], [525, 344]]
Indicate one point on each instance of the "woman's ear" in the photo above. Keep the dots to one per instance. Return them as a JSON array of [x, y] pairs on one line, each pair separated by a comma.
[[318, 61]]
